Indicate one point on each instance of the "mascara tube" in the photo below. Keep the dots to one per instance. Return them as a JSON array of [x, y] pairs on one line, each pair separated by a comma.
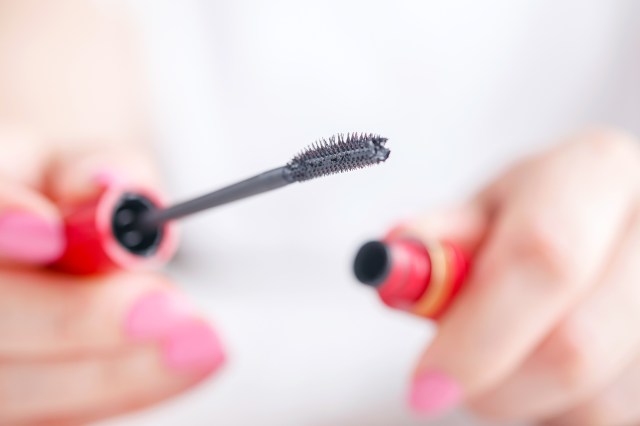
[[422, 279], [102, 233]]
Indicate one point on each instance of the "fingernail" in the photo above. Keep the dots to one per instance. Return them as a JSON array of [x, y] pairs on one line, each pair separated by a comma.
[[193, 347], [28, 238], [107, 178], [433, 394], [399, 229], [156, 315], [188, 343]]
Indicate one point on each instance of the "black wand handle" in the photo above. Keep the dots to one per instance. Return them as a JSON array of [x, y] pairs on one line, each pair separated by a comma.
[[267, 181]]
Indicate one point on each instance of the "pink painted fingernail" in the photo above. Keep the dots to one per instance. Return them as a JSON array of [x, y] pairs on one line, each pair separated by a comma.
[[28, 238], [156, 315], [188, 343], [434, 393], [193, 347], [107, 178], [399, 228]]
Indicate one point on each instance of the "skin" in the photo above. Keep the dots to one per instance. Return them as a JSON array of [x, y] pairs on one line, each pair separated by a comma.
[[62, 133], [544, 331]]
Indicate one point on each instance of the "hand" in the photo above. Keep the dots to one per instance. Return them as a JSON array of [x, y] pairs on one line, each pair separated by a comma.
[[77, 349], [546, 328]]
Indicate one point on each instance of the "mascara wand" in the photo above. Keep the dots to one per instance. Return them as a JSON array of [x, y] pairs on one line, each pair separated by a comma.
[[129, 228], [337, 154]]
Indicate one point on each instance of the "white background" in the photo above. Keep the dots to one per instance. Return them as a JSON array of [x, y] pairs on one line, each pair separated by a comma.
[[460, 88]]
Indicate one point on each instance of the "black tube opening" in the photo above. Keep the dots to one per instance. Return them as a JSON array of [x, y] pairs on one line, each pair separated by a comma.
[[127, 229], [372, 263]]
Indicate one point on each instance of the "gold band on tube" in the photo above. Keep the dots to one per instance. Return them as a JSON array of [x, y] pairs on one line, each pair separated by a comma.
[[439, 288]]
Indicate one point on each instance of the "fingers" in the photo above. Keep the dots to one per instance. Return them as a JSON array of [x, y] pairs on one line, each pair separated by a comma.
[[615, 405], [54, 315], [77, 173], [76, 391], [585, 352], [547, 240], [30, 226], [77, 349], [36, 182]]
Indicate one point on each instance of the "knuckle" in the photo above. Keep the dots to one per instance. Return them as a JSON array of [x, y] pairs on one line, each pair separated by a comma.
[[570, 357], [545, 243]]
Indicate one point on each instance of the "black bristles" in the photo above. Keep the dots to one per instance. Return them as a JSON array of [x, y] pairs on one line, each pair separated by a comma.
[[340, 153]]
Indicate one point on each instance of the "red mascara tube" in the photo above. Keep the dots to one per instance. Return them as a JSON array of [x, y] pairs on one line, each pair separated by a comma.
[[102, 234], [422, 279]]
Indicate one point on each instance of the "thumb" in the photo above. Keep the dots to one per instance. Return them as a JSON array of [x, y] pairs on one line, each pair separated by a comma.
[[31, 230]]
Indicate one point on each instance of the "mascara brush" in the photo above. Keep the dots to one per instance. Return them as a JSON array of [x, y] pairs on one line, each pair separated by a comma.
[[130, 227], [337, 154]]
